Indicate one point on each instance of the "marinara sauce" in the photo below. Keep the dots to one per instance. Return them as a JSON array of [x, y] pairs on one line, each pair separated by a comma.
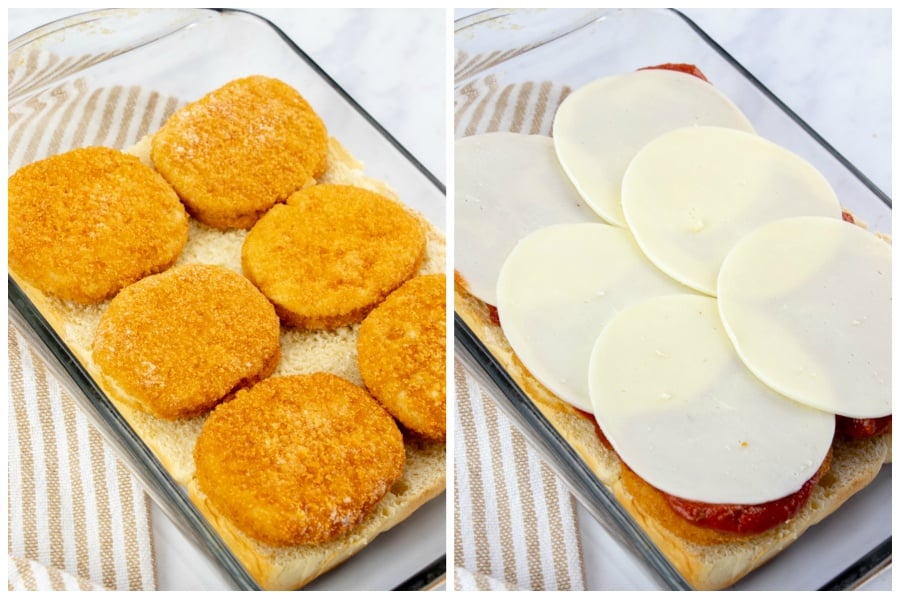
[[744, 519], [735, 518], [681, 67]]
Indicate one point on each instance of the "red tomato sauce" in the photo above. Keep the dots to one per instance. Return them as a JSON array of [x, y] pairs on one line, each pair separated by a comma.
[[681, 67], [494, 314], [743, 519], [734, 518], [861, 428]]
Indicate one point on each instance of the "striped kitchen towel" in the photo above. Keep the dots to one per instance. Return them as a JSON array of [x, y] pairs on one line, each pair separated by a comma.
[[514, 520], [77, 519]]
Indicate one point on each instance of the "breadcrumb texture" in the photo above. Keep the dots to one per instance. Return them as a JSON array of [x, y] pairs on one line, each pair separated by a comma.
[[402, 355], [284, 568], [181, 341], [332, 253], [86, 223], [240, 149], [303, 352], [298, 459]]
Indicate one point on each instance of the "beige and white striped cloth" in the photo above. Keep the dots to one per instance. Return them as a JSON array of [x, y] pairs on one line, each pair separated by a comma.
[[515, 523], [77, 519], [514, 520]]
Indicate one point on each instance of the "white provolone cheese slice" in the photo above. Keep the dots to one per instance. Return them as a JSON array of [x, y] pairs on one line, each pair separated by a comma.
[[692, 193], [599, 128], [506, 186], [559, 287], [807, 304], [683, 412]]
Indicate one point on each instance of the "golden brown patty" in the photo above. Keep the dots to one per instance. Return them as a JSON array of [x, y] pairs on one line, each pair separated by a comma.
[[180, 342], [331, 254], [240, 149], [402, 355], [298, 459], [85, 223]]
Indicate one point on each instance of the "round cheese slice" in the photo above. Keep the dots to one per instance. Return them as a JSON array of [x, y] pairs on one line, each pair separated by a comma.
[[506, 186], [807, 304], [557, 290], [692, 193], [682, 411], [599, 128]]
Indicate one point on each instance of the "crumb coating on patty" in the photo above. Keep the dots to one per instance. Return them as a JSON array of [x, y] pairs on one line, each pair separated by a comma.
[[331, 254], [240, 149], [179, 342], [85, 223], [298, 459], [402, 355]]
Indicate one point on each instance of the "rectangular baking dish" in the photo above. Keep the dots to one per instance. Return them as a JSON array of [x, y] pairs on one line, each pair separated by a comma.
[[569, 48], [184, 54]]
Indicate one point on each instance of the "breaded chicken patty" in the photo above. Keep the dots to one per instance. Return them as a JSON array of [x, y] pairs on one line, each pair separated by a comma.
[[240, 149], [85, 223], [332, 254], [402, 355], [298, 459], [177, 343]]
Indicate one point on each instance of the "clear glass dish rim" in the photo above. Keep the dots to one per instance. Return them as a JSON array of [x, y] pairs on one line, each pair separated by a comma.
[[29, 321], [547, 440]]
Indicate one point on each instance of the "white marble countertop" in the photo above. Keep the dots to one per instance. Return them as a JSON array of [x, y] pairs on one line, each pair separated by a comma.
[[832, 67]]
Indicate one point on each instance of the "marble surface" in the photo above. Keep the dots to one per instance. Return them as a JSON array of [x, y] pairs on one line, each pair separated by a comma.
[[831, 66], [390, 61]]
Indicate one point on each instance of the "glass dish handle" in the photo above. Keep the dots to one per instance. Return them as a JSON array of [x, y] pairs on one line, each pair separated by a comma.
[[46, 55]]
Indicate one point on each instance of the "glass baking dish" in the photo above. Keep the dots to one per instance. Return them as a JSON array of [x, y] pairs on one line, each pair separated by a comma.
[[185, 53], [499, 52]]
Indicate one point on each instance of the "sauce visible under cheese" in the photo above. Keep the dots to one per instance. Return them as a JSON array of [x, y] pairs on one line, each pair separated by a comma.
[[745, 519], [507, 185], [807, 303], [600, 127], [559, 287], [693, 193], [683, 412]]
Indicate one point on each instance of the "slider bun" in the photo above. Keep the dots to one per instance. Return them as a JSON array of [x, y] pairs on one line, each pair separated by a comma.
[[172, 441]]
